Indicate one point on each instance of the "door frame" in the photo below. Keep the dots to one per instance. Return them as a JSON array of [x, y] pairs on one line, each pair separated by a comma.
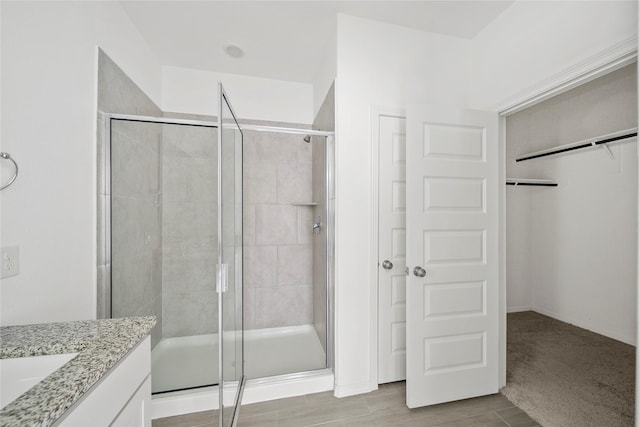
[[599, 64], [375, 114]]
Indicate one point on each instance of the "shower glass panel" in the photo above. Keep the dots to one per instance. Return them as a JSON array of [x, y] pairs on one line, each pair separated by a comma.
[[231, 339], [136, 221], [285, 251], [164, 243]]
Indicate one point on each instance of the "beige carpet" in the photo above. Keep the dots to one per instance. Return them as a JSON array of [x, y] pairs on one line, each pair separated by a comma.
[[565, 376]]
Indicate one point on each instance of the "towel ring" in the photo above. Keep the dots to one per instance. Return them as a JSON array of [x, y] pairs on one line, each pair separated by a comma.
[[7, 156]]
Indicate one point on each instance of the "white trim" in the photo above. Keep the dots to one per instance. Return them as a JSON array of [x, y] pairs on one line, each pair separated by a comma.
[[519, 309], [607, 61], [376, 113], [259, 390], [336, 320], [602, 331], [373, 264], [637, 376], [352, 389], [502, 253]]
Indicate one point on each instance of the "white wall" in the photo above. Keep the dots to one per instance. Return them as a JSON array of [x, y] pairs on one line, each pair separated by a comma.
[[518, 252], [325, 74], [186, 90], [49, 71], [530, 42], [378, 65]]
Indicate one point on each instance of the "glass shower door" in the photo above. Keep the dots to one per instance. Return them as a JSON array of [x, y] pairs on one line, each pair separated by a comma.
[[230, 325]]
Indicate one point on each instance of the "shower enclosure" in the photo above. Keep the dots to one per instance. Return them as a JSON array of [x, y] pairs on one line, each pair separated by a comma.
[[223, 232]]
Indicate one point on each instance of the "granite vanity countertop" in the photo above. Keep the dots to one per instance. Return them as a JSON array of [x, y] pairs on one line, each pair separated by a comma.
[[101, 344]]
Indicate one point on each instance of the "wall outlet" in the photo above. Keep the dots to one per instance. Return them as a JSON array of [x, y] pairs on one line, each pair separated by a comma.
[[9, 261]]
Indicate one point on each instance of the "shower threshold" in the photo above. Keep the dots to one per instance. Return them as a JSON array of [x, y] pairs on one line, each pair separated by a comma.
[[191, 362]]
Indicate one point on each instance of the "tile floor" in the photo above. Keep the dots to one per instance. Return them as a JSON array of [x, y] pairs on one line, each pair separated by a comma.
[[383, 407]]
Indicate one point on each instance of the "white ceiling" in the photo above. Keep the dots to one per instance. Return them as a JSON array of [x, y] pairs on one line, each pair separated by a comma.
[[284, 40]]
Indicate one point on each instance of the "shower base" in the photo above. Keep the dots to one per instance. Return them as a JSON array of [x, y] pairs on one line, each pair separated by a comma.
[[187, 362], [279, 362]]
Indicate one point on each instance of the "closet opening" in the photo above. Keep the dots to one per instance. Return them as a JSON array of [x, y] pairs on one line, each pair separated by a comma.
[[571, 253]]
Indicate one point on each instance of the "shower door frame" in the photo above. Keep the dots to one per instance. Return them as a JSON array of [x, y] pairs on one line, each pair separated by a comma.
[[104, 242], [329, 168], [221, 282]]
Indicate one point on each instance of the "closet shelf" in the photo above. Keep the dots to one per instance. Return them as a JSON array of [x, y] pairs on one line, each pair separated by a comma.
[[532, 182], [304, 204], [586, 143]]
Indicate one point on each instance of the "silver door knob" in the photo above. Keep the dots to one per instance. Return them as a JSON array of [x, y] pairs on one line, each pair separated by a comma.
[[419, 271], [387, 265]]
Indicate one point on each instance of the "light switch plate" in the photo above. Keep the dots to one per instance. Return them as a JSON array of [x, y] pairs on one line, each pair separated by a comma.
[[9, 261]]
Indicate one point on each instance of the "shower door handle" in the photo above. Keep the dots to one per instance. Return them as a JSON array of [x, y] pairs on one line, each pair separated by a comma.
[[222, 284]]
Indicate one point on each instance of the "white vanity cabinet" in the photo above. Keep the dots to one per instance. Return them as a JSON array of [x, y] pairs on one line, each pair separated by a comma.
[[122, 398]]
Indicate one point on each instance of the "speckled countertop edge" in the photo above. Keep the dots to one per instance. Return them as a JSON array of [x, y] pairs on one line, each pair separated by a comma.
[[101, 344]]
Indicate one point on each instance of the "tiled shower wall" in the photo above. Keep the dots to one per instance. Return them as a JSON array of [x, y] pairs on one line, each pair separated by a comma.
[[278, 220], [278, 252], [136, 260], [136, 257], [189, 229]]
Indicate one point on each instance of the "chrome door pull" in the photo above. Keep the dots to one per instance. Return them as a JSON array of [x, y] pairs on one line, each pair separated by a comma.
[[387, 265], [419, 271]]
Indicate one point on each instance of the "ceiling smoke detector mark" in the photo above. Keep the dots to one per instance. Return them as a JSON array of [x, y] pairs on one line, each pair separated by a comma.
[[234, 51]]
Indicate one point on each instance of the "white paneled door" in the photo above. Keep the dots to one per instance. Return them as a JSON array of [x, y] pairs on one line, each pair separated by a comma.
[[452, 255], [392, 214]]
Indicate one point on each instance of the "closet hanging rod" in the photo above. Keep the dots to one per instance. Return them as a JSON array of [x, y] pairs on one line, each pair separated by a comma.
[[531, 182], [592, 142]]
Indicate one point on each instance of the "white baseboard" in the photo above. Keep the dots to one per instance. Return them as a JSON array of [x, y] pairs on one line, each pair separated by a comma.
[[180, 403], [184, 403], [353, 389], [518, 309], [259, 391], [611, 334]]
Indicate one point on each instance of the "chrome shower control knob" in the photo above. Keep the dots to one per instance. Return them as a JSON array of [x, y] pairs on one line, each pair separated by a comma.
[[387, 265], [419, 271]]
